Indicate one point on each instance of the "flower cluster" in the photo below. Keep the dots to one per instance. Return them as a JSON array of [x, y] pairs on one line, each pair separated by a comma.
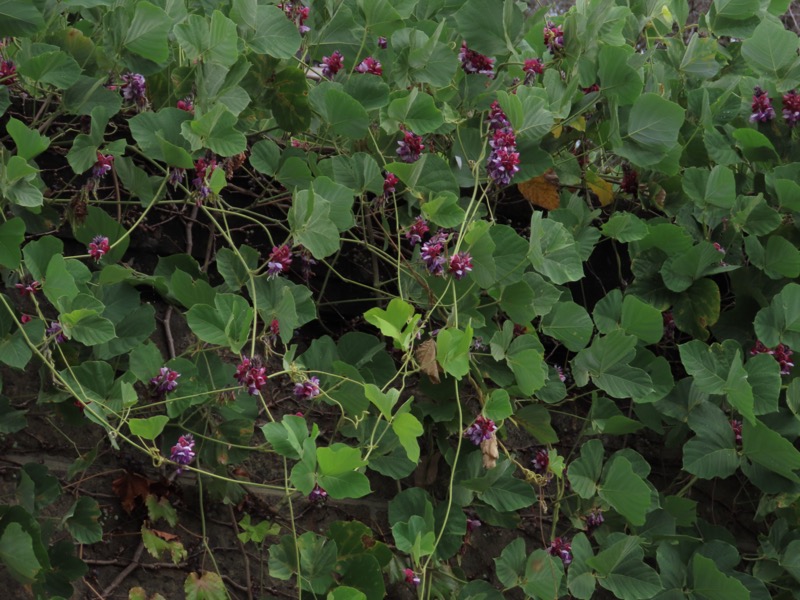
[[307, 389], [503, 161], [474, 62], [416, 230], [762, 106], [297, 13], [133, 89], [251, 375], [736, 427], [410, 147], [98, 247], [176, 175], [594, 519], [482, 429], [791, 108], [460, 264], [186, 104], [317, 495], [183, 452], [56, 331], [8, 72], [279, 260], [630, 181], [28, 289], [164, 382], [371, 66], [203, 168], [102, 166], [541, 462], [562, 549], [532, 68], [332, 64], [274, 331], [390, 182], [411, 577], [782, 353], [433, 253], [553, 38]]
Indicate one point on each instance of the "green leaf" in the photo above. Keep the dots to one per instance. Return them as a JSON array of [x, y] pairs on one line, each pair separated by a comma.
[[770, 449], [712, 584], [209, 586], [621, 570], [87, 327], [625, 491], [543, 575], [345, 115], [427, 177], [510, 565], [56, 68], [311, 225], [712, 453], [288, 436], [11, 420], [625, 227], [697, 308], [38, 253], [452, 350], [570, 324], [19, 18], [553, 251], [408, 429], [417, 111], [337, 474], [89, 93], [654, 122], [158, 547], [779, 259], [642, 320], [216, 131], [489, 32], [398, 321], [618, 80], [700, 59], [83, 521], [160, 508], [29, 143], [274, 34], [16, 544], [443, 210], [12, 234], [535, 418], [58, 281], [147, 33], [584, 473], [227, 323], [498, 406], [265, 156], [771, 49], [317, 561], [150, 428], [287, 95], [780, 321], [384, 401], [37, 488]]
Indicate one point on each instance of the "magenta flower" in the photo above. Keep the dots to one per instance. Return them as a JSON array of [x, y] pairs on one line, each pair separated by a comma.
[[410, 147], [203, 168], [317, 495], [55, 330], [761, 107], [274, 331], [460, 264], [297, 13], [165, 381], [781, 353], [28, 289], [736, 427], [474, 62], [482, 429], [497, 118], [102, 166], [332, 64], [98, 247], [502, 165], [553, 38], [630, 181], [532, 68], [562, 549], [561, 375], [186, 104], [133, 88], [183, 452], [390, 182], [411, 577], [416, 230], [432, 253], [473, 524], [251, 375], [8, 72], [308, 389], [371, 66], [279, 260], [791, 108], [594, 519], [382, 43], [541, 462]]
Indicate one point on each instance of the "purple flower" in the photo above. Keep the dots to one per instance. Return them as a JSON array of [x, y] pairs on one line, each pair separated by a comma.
[[460, 264], [432, 253], [474, 62], [782, 353], [561, 375], [736, 426], [497, 118], [176, 175], [274, 331], [98, 247], [410, 147], [594, 519], [371, 66], [8, 72], [416, 230], [297, 13], [133, 88], [186, 104], [183, 451], [553, 38], [562, 549], [165, 381], [791, 108], [541, 462], [382, 43], [332, 64], [473, 524], [532, 68], [251, 375], [279, 260], [55, 330], [28, 289], [317, 495], [411, 577], [482, 429], [718, 247], [102, 166], [502, 165], [390, 182], [761, 107], [203, 168], [307, 389]]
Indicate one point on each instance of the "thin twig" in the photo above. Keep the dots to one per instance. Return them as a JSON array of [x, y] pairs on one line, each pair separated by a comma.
[[125, 572], [244, 554]]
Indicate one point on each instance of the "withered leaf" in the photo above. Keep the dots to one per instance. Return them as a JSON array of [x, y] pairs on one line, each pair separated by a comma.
[[541, 191], [490, 453], [426, 357], [129, 487]]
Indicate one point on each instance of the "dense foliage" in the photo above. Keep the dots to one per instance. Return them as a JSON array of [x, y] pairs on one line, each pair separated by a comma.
[[325, 195]]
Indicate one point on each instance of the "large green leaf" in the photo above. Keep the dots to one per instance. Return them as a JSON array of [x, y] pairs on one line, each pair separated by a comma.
[[712, 452], [12, 234], [584, 472], [780, 321], [625, 491], [543, 575], [770, 449], [147, 33], [311, 225], [490, 31], [621, 570], [553, 251], [19, 18], [712, 584], [771, 49], [274, 34]]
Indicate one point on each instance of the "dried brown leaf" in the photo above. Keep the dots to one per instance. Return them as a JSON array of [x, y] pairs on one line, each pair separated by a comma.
[[490, 453], [129, 487], [426, 357], [541, 191]]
